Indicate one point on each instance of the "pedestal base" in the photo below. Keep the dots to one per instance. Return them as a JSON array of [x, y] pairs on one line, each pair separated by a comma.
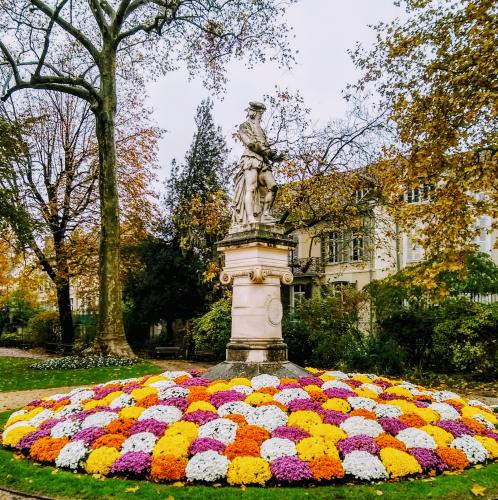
[[230, 369]]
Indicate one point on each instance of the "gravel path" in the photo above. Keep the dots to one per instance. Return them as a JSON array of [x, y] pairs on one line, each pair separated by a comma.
[[13, 352]]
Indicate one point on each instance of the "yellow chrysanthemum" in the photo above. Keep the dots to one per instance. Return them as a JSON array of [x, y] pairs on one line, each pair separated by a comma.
[[328, 432], [313, 370], [131, 412], [187, 429], [427, 414], [362, 378], [218, 387], [100, 460], [248, 470], [311, 448], [90, 405], [404, 406], [155, 378], [13, 436], [471, 411], [337, 404], [399, 463], [143, 392], [399, 391], [200, 405], [312, 388], [490, 444], [172, 445], [363, 392], [326, 378], [442, 437], [110, 398], [258, 398], [24, 417], [239, 381], [304, 419]]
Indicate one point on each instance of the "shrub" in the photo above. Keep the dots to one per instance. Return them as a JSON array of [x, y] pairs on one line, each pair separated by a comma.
[[212, 331], [44, 327], [11, 339], [296, 335]]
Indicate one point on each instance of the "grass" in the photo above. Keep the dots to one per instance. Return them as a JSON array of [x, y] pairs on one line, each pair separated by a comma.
[[15, 374], [19, 474]]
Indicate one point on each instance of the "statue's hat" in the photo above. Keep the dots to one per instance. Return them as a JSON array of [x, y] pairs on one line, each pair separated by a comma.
[[257, 106]]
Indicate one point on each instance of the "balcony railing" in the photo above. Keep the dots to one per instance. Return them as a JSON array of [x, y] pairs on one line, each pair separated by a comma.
[[309, 266]]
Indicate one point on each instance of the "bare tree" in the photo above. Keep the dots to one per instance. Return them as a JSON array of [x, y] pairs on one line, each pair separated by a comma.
[[82, 48]]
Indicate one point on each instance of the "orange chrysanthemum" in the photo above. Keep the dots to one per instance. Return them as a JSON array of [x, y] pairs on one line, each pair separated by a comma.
[[197, 394], [388, 441], [182, 379], [363, 413], [454, 459], [237, 418], [168, 468], [412, 420], [319, 396], [60, 404], [473, 424], [121, 425], [424, 397], [289, 380], [149, 400], [326, 468], [242, 448], [253, 432], [47, 448], [268, 390], [457, 404], [109, 440]]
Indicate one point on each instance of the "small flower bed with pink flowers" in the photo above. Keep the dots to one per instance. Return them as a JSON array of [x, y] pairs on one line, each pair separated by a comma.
[[325, 427]]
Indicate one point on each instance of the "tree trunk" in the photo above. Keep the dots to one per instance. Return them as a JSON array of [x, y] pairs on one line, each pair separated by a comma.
[[65, 315], [111, 339]]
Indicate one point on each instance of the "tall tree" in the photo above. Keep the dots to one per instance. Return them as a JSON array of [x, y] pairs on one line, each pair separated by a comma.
[[435, 70], [196, 201], [81, 48]]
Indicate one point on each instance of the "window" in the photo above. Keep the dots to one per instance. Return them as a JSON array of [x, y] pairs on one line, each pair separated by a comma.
[[418, 194], [484, 237], [299, 292], [414, 252], [337, 246], [346, 246]]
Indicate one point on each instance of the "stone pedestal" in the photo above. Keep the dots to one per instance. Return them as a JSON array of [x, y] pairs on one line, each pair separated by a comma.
[[256, 262]]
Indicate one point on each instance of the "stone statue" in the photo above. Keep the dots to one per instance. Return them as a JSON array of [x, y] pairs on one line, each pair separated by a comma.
[[255, 186]]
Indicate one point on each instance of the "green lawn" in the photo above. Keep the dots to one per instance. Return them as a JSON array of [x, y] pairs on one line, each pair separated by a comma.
[[15, 374], [19, 474]]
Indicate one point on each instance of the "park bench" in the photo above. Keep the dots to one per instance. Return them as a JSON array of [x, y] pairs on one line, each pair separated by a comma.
[[58, 348], [172, 351], [203, 354]]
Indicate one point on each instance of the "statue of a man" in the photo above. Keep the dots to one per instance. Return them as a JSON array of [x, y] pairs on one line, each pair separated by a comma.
[[255, 186]]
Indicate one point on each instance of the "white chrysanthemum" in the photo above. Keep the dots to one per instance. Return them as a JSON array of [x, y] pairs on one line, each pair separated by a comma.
[[54, 397], [72, 455], [162, 413], [387, 411], [207, 466], [337, 374], [100, 419], [416, 438], [172, 392], [269, 417], [335, 384], [371, 387], [476, 402], [484, 421], [68, 410], [354, 426], [446, 411], [235, 407], [244, 389], [175, 374], [17, 413], [285, 396], [123, 401], [260, 381], [41, 417], [141, 441], [68, 428], [162, 384], [365, 466], [79, 395], [274, 448], [473, 449], [222, 429], [441, 396], [359, 403]]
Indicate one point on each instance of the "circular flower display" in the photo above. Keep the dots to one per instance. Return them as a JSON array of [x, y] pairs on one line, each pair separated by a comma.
[[180, 426]]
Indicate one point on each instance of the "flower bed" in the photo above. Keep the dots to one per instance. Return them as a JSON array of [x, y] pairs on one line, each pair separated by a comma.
[[326, 427]]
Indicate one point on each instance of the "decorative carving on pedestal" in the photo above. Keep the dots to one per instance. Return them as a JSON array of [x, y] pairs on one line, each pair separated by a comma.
[[257, 275]]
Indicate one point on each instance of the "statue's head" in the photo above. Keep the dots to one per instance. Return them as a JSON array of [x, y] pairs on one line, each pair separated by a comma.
[[255, 108]]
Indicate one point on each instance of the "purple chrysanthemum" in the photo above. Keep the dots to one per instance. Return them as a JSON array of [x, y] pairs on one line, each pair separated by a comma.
[[88, 436], [180, 403], [222, 397], [339, 392], [206, 444], [290, 469], [456, 428], [134, 462], [421, 404], [382, 383], [30, 439], [358, 443], [490, 434], [149, 425], [304, 404], [353, 383], [333, 417], [293, 433], [304, 381], [281, 387], [428, 459], [48, 424], [390, 397], [102, 392], [196, 381], [130, 388], [200, 417], [392, 425]]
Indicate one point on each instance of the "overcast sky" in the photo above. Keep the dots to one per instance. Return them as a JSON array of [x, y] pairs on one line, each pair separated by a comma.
[[324, 31]]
